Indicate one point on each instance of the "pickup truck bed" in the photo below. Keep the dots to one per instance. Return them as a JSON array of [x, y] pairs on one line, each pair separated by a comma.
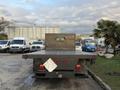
[[78, 54]]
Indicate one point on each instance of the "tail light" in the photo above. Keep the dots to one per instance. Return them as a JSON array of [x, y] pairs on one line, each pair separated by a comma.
[[42, 67], [77, 67]]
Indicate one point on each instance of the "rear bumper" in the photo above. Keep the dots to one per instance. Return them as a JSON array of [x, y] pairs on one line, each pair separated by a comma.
[[60, 74]]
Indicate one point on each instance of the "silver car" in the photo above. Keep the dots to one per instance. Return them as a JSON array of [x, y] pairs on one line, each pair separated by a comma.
[[37, 45]]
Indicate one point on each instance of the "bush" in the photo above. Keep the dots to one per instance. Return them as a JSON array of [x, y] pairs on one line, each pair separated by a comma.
[[3, 37]]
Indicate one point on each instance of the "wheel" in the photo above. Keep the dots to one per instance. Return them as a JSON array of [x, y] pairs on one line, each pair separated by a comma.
[[86, 50], [7, 50], [83, 49]]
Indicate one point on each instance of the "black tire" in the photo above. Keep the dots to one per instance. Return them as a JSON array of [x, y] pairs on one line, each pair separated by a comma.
[[10, 52], [7, 50], [86, 50]]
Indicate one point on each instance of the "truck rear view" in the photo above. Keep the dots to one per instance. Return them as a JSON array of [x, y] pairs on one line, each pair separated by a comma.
[[60, 59]]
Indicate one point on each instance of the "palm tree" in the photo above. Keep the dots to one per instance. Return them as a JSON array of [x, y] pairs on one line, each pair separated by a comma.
[[118, 33], [110, 30]]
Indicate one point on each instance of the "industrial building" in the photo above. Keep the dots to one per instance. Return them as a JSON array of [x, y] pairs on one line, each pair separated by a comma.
[[30, 32]]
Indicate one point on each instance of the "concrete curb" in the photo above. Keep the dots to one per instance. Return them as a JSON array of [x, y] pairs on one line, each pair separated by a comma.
[[98, 80]]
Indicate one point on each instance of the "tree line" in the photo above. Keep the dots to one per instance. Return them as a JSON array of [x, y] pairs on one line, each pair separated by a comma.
[[110, 30], [3, 24]]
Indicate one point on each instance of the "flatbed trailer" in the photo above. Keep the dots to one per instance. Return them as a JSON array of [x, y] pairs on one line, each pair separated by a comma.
[[61, 63]]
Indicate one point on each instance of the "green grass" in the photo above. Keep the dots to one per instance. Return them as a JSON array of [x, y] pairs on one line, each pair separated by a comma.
[[104, 66]]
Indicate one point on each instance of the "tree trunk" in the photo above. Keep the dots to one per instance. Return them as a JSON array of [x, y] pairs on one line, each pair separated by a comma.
[[106, 49], [114, 51]]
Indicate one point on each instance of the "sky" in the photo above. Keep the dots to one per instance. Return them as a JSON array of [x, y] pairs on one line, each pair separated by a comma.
[[74, 16]]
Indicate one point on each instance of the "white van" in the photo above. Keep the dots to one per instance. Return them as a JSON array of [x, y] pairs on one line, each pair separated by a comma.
[[4, 45], [19, 44], [78, 46]]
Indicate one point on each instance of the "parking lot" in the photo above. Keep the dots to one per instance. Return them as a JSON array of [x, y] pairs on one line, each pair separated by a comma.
[[16, 73]]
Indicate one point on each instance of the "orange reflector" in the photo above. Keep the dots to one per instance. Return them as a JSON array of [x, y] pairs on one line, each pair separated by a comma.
[[42, 67], [77, 68]]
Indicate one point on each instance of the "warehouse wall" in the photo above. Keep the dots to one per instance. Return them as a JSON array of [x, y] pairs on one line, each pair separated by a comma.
[[30, 33]]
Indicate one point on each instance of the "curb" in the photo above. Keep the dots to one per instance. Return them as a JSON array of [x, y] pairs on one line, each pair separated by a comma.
[[98, 80]]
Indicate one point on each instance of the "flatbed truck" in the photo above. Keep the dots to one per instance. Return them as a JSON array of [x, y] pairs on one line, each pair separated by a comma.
[[60, 59]]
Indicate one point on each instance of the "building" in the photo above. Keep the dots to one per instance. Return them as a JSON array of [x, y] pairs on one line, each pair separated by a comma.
[[30, 32]]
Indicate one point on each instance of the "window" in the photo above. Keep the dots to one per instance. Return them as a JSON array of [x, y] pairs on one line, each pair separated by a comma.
[[17, 42]]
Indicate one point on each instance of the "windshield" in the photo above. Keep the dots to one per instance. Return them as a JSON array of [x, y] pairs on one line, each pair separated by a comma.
[[17, 42], [37, 43], [77, 43], [90, 42], [3, 42]]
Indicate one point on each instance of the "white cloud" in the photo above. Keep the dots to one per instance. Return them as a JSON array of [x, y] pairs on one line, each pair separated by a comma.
[[82, 16], [28, 1]]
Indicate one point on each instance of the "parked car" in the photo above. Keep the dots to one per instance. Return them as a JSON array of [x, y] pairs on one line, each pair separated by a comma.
[[4, 45], [117, 48], [100, 42], [37, 45], [78, 46], [19, 44], [89, 45]]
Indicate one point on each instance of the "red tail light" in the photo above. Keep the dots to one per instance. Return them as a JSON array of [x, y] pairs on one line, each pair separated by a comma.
[[42, 67], [77, 68]]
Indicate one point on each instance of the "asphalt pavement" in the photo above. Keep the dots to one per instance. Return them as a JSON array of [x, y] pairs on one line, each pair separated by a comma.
[[16, 74]]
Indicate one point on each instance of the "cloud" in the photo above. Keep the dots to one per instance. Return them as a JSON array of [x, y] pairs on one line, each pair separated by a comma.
[[29, 1], [80, 15], [4, 12]]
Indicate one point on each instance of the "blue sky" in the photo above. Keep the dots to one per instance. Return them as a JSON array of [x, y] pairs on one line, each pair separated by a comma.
[[77, 16]]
